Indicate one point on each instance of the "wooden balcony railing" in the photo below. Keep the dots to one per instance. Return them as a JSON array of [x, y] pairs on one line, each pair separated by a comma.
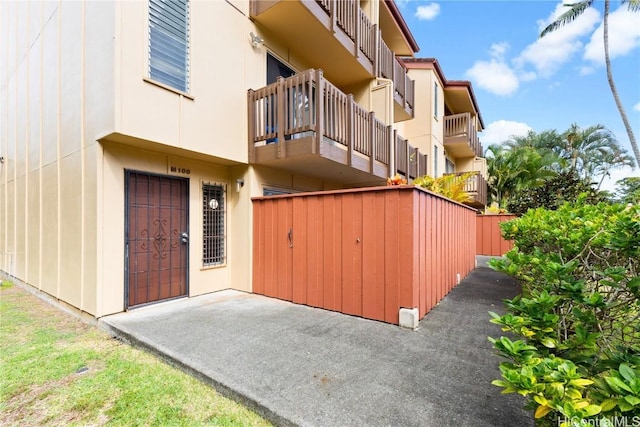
[[460, 127], [409, 161], [389, 67], [476, 186], [365, 38], [307, 105]]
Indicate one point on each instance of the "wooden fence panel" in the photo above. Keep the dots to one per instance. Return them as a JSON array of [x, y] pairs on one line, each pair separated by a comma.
[[489, 239], [366, 252]]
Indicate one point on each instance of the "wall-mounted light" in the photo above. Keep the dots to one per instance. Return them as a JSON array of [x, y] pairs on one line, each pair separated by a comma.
[[239, 184], [1, 159], [256, 41]]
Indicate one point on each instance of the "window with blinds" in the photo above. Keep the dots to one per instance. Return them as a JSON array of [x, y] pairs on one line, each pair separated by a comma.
[[213, 224], [169, 43]]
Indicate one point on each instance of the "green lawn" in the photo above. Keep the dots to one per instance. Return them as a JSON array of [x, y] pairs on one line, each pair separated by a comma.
[[57, 370]]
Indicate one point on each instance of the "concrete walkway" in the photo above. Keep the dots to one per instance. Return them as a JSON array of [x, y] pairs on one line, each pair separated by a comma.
[[298, 365]]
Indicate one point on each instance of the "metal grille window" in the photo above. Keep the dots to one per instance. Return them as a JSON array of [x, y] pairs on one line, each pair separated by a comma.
[[169, 43], [213, 224]]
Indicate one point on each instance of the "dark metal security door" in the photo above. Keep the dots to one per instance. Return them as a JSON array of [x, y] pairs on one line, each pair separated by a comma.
[[157, 239]]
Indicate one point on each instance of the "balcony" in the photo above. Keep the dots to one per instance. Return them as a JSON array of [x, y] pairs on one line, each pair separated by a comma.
[[306, 125], [338, 35], [410, 163], [389, 67], [476, 186], [460, 136]]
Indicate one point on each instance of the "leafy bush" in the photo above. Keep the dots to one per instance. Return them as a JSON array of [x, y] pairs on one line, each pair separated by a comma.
[[577, 322]]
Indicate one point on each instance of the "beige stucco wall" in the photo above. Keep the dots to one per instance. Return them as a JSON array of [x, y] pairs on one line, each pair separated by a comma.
[[212, 118], [234, 274], [54, 102], [75, 73], [425, 130]]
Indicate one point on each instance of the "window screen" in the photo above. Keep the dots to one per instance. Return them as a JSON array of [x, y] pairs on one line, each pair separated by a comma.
[[213, 223], [169, 43]]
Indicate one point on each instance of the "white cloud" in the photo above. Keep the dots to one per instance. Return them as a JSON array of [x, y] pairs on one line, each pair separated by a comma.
[[527, 76], [549, 53], [494, 76], [637, 107], [585, 70], [624, 36], [501, 130], [498, 50], [428, 12]]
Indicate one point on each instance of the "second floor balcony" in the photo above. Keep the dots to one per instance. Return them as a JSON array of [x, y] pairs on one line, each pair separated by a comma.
[[339, 37], [461, 137], [306, 125]]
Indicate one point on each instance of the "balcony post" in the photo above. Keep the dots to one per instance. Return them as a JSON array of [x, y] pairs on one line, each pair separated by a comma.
[[356, 13], [252, 124], [394, 138], [376, 48], [351, 131], [280, 119], [332, 16], [320, 102], [392, 152], [372, 132]]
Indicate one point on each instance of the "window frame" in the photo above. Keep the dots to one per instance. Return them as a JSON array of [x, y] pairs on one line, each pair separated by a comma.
[[435, 100], [163, 27], [435, 161]]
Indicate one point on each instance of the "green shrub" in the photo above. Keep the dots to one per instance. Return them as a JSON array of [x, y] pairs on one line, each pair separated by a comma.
[[577, 322]]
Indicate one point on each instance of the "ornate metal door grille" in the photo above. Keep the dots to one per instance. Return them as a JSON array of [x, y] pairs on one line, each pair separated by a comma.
[[156, 237]]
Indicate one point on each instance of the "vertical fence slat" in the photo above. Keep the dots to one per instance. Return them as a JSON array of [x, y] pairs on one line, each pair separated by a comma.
[[300, 247], [365, 252], [489, 239]]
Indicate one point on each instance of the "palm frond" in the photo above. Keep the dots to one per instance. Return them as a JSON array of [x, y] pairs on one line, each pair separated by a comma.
[[632, 5], [575, 10]]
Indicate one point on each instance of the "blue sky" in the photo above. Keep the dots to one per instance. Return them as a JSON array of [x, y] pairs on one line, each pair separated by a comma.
[[522, 82]]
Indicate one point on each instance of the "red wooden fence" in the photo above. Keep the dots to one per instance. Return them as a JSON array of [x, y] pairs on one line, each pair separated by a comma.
[[366, 252], [489, 239]]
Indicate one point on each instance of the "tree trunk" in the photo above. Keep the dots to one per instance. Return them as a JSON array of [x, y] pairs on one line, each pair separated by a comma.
[[614, 91]]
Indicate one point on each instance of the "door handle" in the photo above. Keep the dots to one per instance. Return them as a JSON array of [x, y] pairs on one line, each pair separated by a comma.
[[290, 237], [184, 237]]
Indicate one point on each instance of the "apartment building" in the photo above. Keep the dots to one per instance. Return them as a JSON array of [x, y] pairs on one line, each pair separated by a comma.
[[446, 125], [134, 134]]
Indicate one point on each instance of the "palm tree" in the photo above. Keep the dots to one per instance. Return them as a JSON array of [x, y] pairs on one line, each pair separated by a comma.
[[592, 152], [575, 10], [512, 170], [548, 143]]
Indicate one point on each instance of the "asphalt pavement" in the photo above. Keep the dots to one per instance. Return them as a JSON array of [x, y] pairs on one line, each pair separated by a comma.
[[298, 365]]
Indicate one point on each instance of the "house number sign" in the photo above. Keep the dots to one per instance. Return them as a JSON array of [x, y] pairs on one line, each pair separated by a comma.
[[179, 170]]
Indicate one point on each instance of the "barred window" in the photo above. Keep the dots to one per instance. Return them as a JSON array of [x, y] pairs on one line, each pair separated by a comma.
[[169, 43], [213, 224]]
